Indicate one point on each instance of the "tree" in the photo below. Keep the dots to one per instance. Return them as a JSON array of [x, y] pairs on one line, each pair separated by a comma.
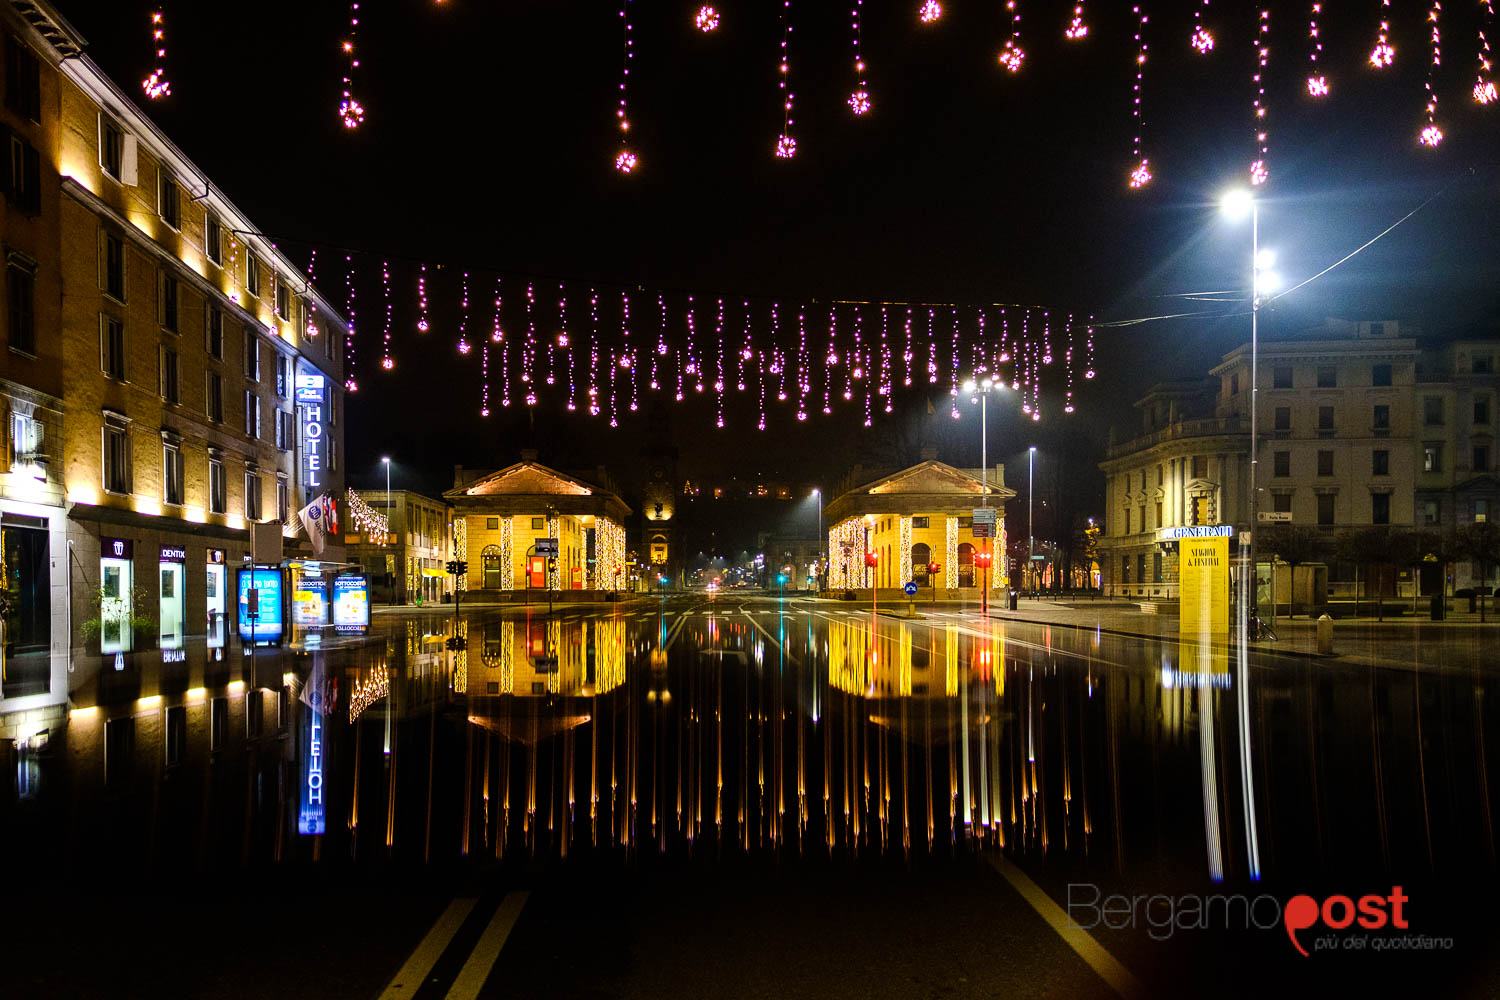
[[1480, 543], [1295, 545], [1350, 548], [1404, 550]]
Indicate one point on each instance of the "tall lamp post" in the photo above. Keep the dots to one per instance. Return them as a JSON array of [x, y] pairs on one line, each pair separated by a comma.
[[1030, 532], [385, 460], [980, 392], [819, 494]]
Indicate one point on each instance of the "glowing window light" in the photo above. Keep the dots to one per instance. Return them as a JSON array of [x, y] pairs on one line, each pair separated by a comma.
[[1076, 28], [930, 11], [1382, 55], [707, 19], [156, 85], [351, 112]]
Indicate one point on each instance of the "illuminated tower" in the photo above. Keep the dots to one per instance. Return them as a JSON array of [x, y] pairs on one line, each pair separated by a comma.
[[660, 491]]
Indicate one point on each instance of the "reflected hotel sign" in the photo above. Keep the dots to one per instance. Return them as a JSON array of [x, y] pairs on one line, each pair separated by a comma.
[[310, 817], [310, 404]]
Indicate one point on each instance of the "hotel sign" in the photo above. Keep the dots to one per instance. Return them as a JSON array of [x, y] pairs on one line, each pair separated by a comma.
[[311, 405]]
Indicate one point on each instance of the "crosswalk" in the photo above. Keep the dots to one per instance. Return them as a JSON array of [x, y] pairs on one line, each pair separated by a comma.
[[416, 972]]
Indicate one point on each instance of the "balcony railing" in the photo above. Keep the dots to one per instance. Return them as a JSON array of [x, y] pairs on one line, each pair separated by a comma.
[[1182, 429]]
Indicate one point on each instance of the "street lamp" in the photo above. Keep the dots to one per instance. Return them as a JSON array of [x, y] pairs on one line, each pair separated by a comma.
[[980, 392], [386, 541], [819, 494], [1030, 532]]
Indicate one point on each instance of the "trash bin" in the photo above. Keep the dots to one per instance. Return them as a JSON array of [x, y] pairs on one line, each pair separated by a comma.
[[1013, 596], [1439, 608]]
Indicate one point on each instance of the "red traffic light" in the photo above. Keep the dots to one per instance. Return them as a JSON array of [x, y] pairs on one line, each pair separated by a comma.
[[932, 569], [872, 558], [982, 559]]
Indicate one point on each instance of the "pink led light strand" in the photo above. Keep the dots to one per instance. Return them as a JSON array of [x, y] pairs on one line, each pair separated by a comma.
[[1202, 40], [625, 159], [1317, 83], [351, 112], [528, 350], [1140, 174], [1012, 55], [463, 315], [1484, 87], [930, 11], [786, 146], [859, 100], [1068, 364], [1259, 171], [156, 85], [1076, 30], [351, 382], [1431, 134], [1382, 55], [422, 300], [707, 19], [311, 330], [386, 361]]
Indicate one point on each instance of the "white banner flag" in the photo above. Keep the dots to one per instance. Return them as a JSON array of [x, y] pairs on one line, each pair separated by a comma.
[[315, 519]]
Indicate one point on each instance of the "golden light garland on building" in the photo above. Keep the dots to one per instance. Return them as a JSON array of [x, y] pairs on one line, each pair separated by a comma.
[[507, 550], [365, 518], [906, 566], [609, 554], [461, 548], [950, 579]]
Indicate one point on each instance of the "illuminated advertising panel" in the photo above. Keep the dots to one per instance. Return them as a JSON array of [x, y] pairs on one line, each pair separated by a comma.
[[351, 602], [261, 622]]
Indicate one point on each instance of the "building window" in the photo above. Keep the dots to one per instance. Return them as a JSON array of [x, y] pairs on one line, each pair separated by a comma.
[[1283, 418], [1234, 384], [111, 346], [919, 522], [1380, 508], [1430, 512], [1328, 376], [1325, 418], [25, 176], [26, 434], [1481, 409], [252, 275], [111, 148], [1432, 458], [23, 79], [1483, 364], [283, 300], [213, 239], [254, 714], [176, 739], [252, 494], [20, 288], [119, 749], [1281, 377], [252, 414], [1432, 409], [213, 339], [1325, 463], [1124, 569], [171, 472], [1281, 503], [1140, 567], [282, 499], [213, 397], [252, 355], [1160, 475], [489, 567], [285, 433], [216, 490], [492, 524], [1127, 520], [112, 266], [1481, 510], [171, 390], [1281, 463], [1380, 375], [1481, 458], [1380, 463], [166, 302], [218, 723], [1159, 521], [168, 202], [1325, 508], [1380, 417], [116, 456], [1200, 466], [538, 524], [282, 365]]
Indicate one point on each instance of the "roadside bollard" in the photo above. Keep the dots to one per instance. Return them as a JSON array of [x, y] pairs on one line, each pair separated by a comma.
[[1325, 636]]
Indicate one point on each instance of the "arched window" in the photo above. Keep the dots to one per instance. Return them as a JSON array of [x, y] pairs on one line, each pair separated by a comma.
[[966, 565], [489, 565], [921, 555]]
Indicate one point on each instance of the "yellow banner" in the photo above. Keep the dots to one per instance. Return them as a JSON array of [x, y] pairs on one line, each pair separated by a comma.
[[1203, 579]]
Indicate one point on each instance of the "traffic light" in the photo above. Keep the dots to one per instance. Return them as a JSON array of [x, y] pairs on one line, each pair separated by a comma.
[[458, 567], [872, 558], [458, 643], [932, 568], [982, 559]]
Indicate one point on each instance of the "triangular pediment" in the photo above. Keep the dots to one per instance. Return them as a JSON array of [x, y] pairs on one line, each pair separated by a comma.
[[933, 477], [525, 478]]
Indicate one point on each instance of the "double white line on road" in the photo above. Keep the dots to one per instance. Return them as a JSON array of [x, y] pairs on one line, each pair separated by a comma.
[[476, 969]]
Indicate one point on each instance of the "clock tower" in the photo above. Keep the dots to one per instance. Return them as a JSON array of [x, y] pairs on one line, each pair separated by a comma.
[[659, 497]]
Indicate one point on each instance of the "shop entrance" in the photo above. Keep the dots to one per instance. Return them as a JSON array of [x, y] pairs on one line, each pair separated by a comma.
[[116, 588], [217, 599], [172, 612]]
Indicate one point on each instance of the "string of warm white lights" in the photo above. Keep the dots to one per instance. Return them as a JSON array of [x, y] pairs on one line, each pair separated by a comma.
[[351, 112], [156, 85], [1431, 134], [1382, 55], [859, 100], [1012, 55], [1484, 87], [1140, 174], [1259, 170], [625, 159], [1202, 39], [1317, 83], [786, 146], [1077, 29], [364, 517]]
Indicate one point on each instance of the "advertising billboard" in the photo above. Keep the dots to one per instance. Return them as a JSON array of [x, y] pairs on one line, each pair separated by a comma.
[[351, 602], [309, 596], [261, 623]]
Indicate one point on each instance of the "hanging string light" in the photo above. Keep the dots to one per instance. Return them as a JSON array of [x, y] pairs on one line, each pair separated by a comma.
[[528, 350], [786, 146], [1484, 87], [747, 352], [719, 373], [422, 299], [311, 329], [859, 101], [661, 339], [1382, 55], [930, 11], [885, 360], [908, 355], [1259, 169], [1076, 28], [564, 342], [1013, 55], [1202, 39], [625, 159], [593, 353], [351, 382], [1317, 83], [463, 315], [351, 112], [802, 381], [1431, 134], [1140, 174], [1068, 365], [156, 85], [707, 19], [386, 361]]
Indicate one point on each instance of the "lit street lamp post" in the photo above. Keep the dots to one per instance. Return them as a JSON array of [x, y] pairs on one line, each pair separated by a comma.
[[1030, 531], [386, 461], [980, 392]]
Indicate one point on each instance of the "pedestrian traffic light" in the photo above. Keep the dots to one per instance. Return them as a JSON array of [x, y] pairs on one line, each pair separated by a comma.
[[872, 558], [458, 567], [932, 568], [458, 643]]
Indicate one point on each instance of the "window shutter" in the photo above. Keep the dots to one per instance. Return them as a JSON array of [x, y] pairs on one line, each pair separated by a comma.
[[33, 174], [129, 171]]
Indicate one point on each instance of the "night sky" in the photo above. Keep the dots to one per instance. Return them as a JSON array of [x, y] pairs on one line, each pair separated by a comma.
[[490, 135]]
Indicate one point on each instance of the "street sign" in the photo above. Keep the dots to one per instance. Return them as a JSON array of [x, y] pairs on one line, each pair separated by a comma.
[[1274, 516], [546, 547], [1038, 558], [983, 530], [910, 588], [985, 515]]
